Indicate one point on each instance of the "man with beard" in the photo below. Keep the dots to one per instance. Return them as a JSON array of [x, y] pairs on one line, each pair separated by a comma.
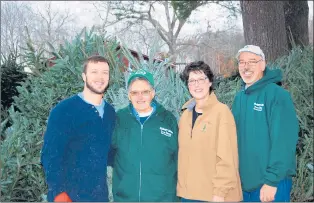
[[267, 129], [77, 140]]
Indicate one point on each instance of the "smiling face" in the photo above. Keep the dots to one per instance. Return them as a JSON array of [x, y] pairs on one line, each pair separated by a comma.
[[96, 77], [141, 95], [251, 67], [198, 85]]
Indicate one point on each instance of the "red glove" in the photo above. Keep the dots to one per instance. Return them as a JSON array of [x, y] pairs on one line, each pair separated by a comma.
[[63, 197]]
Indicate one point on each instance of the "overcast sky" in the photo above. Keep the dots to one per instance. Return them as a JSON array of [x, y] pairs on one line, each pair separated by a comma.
[[86, 15]]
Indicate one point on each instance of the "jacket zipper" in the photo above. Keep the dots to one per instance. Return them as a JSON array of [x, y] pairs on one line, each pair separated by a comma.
[[139, 191], [140, 186], [186, 173]]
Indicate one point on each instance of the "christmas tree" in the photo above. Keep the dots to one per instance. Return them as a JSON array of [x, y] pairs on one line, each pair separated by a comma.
[[22, 176], [12, 74]]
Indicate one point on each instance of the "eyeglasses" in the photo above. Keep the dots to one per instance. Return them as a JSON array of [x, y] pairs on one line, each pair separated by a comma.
[[144, 93], [199, 81], [248, 63]]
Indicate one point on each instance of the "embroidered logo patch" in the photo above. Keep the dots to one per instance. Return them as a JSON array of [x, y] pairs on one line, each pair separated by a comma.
[[204, 128], [258, 107], [165, 132]]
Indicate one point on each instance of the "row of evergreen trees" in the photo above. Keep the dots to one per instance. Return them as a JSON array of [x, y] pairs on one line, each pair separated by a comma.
[[22, 177], [12, 74]]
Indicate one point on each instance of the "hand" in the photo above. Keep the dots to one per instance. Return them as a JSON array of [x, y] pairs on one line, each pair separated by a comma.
[[218, 199], [62, 197], [267, 193]]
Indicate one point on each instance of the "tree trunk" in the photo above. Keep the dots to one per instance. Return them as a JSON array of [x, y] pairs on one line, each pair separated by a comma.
[[172, 51], [296, 18], [264, 26], [311, 31]]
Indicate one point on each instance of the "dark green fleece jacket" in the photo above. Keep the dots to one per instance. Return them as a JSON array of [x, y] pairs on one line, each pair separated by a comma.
[[145, 160], [267, 130]]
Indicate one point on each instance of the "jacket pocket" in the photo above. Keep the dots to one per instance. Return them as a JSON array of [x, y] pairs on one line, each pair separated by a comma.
[[126, 189], [158, 188]]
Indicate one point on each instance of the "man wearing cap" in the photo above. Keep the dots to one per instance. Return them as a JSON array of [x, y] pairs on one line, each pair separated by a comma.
[[267, 130], [145, 145]]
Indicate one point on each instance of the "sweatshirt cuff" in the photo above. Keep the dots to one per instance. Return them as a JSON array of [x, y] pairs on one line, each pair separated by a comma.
[[220, 192], [271, 183]]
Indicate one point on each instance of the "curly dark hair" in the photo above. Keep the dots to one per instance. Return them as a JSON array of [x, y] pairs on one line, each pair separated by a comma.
[[197, 66]]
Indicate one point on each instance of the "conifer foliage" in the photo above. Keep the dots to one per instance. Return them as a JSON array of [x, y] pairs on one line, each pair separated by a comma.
[[22, 177], [12, 74]]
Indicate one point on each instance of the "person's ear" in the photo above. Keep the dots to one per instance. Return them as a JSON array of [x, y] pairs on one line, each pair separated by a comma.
[[84, 77]]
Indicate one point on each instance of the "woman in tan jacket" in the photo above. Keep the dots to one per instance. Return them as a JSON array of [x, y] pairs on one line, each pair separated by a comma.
[[208, 153]]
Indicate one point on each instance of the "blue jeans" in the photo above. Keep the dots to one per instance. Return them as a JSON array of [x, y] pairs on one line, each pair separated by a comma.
[[282, 195], [190, 200]]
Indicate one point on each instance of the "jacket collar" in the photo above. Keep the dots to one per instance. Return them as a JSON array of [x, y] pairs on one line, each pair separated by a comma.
[[212, 99], [153, 104]]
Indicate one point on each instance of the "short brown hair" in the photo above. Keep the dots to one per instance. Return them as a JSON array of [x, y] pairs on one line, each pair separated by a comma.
[[94, 59], [197, 66]]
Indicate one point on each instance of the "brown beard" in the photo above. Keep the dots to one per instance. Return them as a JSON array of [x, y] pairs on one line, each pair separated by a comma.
[[94, 90]]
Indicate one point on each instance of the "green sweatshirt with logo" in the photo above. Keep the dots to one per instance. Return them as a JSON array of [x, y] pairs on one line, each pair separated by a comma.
[[145, 160], [267, 130]]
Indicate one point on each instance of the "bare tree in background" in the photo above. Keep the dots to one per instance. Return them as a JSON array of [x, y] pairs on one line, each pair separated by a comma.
[[14, 16], [104, 10], [53, 25], [141, 38], [44, 25], [137, 12], [149, 37], [166, 17], [216, 48], [311, 31]]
